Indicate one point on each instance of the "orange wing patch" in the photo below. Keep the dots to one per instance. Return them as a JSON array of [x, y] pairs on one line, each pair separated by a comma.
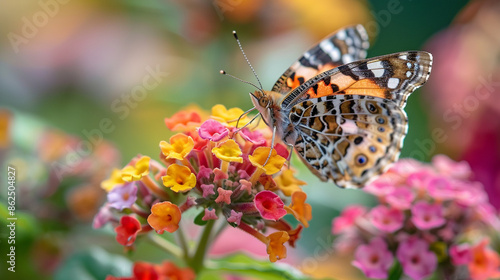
[[344, 84]]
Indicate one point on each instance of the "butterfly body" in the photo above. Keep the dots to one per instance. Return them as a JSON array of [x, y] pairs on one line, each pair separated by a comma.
[[343, 113]]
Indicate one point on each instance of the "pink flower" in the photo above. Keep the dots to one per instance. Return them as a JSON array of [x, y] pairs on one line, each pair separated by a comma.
[[445, 165], [460, 254], [235, 217], [387, 219], [209, 215], [220, 175], [121, 197], [380, 187], [212, 130], [419, 179], [415, 258], [224, 196], [103, 216], [441, 188], [347, 218], [204, 173], [400, 198], [255, 137], [269, 205], [426, 216], [374, 259], [207, 190]]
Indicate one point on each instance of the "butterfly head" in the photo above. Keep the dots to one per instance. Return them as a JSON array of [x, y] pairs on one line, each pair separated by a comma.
[[263, 103]]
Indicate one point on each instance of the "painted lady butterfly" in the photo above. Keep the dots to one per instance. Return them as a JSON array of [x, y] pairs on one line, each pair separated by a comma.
[[343, 113]]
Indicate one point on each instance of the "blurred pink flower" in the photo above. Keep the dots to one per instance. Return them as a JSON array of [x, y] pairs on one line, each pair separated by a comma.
[[400, 198], [347, 218], [387, 219], [426, 216], [460, 254], [374, 259], [416, 259]]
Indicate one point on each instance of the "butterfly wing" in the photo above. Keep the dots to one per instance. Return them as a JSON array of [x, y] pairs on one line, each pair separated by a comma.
[[348, 138], [349, 122], [344, 46], [394, 76]]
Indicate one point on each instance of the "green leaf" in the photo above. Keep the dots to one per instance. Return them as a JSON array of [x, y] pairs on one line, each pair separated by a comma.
[[396, 271], [198, 220], [240, 264], [93, 264]]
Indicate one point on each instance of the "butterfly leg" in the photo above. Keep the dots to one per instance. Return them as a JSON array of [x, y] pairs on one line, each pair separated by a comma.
[[272, 145], [239, 129]]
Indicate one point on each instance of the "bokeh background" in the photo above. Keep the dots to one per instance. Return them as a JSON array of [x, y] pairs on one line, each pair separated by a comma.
[[86, 85]]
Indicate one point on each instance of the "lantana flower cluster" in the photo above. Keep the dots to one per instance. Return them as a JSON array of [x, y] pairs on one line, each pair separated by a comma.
[[431, 219], [232, 177]]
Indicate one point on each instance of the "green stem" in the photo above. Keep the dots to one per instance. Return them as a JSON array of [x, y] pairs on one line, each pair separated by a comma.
[[183, 242], [165, 245], [199, 256]]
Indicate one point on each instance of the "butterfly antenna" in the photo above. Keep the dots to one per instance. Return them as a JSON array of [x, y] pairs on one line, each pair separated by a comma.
[[246, 58], [243, 81]]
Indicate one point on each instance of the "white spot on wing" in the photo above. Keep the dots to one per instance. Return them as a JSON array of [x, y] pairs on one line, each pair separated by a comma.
[[393, 83], [377, 68], [328, 47], [349, 127]]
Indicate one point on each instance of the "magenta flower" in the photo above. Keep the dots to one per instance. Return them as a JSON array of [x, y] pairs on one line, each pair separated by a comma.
[[447, 166], [347, 218], [374, 259], [415, 258], [426, 216], [400, 198], [104, 216], [441, 188], [387, 219], [255, 137], [204, 173], [461, 254], [380, 187], [269, 205], [212, 130], [235, 217], [122, 197], [209, 215], [224, 196]]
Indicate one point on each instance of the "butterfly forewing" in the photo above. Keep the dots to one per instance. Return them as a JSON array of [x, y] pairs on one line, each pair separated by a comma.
[[392, 76], [344, 46], [348, 138]]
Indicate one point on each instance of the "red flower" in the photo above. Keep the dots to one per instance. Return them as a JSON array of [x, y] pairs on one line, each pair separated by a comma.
[[127, 231]]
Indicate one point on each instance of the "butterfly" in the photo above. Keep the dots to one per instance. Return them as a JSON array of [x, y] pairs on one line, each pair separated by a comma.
[[341, 112]]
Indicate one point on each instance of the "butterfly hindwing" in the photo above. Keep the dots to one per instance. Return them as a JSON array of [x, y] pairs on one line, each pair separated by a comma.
[[344, 46], [392, 76], [348, 138]]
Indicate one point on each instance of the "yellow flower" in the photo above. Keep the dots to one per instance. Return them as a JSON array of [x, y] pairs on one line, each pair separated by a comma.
[[273, 165], [223, 115], [114, 180], [275, 247], [164, 216], [134, 173], [228, 151], [287, 183], [179, 178], [301, 210], [179, 147]]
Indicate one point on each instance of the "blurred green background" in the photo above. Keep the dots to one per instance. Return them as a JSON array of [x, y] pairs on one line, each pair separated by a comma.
[[65, 66]]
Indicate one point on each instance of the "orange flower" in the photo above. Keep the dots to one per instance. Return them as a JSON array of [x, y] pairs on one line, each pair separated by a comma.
[[179, 178], [179, 147], [183, 120], [114, 180], [171, 271], [287, 183], [275, 247], [272, 166], [136, 172], [299, 208], [223, 115], [485, 262], [164, 216]]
